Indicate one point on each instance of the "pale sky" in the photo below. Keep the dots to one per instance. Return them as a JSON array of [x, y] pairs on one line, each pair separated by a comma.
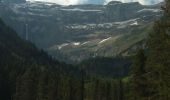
[[74, 2]]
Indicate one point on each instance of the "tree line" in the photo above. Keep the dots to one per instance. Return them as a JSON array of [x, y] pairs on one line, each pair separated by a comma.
[[27, 73]]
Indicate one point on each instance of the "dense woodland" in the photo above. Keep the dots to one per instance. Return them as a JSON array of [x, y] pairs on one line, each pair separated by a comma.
[[27, 73]]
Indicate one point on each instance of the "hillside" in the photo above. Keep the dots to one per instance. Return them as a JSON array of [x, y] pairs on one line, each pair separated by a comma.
[[27, 73], [12, 46], [77, 32], [100, 44], [117, 67], [16, 57], [21, 61]]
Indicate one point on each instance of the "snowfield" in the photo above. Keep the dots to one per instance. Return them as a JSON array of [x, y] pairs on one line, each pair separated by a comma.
[[104, 40], [122, 24], [81, 10], [150, 10]]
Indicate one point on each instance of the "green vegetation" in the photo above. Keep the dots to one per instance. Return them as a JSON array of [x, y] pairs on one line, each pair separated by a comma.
[[151, 76], [56, 30], [27, 73], [117, 67]]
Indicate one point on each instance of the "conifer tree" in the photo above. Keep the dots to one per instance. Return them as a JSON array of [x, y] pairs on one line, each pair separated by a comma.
[[96, 86], [121, 90], [82, 84], [71, 90], [158, 62], [42, 88], [108, 91], [139, 81], [28, 85], [53, 85], [18, 92]]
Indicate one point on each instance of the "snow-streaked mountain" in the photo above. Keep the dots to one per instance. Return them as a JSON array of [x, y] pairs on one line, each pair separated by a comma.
[[12, 1], [82, 31]]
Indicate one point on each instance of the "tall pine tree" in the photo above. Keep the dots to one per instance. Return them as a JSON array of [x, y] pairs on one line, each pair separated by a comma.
[[139, 81], [158, 62]]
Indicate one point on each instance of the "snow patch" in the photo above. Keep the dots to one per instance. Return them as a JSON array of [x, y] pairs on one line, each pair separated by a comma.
[[62, 45], [126, 23], [104, 40], [122, 24], [81, 10], [135, 23], [90, 26], [85, 42], [151, 10], [76, 43], [34, 14], [67, 44]]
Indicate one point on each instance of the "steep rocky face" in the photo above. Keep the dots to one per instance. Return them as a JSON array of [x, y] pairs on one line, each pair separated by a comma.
[[13, 1], [81, 31]]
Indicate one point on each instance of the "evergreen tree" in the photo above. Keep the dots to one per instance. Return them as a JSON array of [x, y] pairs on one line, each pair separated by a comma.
[[108, 91], [5, 91], [53, 87], [28, 85], [18, 92], [121, 90], [82, 84], [139, 82], [115, 91], [96, 90], [158, 62], [72, 90], [42, 85]]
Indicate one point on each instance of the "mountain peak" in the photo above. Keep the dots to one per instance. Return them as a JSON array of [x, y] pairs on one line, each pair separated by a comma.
[[119, 2], [114, 2]]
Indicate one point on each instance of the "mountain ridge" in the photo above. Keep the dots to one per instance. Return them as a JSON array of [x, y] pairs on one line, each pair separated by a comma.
[[99, 29]]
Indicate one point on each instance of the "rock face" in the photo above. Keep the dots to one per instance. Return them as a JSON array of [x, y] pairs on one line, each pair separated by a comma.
[[13, 1], [82, 31]]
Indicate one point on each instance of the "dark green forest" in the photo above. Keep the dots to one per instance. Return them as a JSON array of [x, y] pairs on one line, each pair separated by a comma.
[[28, 73]]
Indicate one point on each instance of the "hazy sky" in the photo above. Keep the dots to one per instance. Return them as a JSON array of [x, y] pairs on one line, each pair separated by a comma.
[[73, 2]]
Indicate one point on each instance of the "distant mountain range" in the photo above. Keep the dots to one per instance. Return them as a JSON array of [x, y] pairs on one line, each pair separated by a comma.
[[78, 32], [13, 1]]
